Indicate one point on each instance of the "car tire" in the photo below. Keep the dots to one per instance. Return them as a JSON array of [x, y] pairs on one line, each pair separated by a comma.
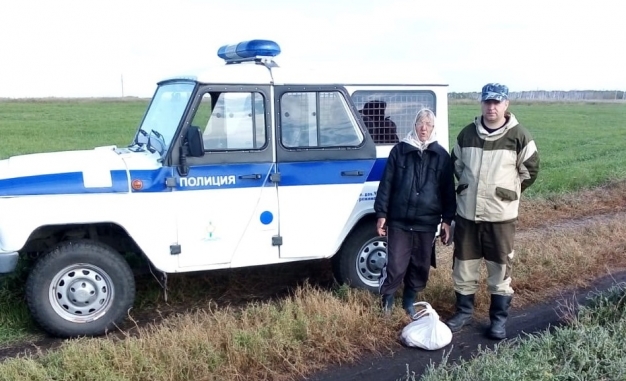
[[360, 261], [80, 288]]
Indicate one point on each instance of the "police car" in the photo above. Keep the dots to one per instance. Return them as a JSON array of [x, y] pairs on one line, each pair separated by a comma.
[[249, 163]]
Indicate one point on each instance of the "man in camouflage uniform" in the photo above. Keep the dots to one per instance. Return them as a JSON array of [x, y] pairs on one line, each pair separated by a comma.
[[495, 160]]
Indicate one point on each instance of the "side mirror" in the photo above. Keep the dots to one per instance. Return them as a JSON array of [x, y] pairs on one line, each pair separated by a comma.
[[195, 142]]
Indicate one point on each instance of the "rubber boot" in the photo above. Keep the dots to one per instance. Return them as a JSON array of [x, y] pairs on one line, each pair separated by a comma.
[[408, 298], [464, 312], [387, 304], [498, 313]]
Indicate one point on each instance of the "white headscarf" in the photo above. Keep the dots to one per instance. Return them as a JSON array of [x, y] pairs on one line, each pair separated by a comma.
[[412, 137]]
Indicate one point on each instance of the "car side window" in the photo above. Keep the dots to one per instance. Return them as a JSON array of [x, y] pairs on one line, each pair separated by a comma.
[[389, 115], [317, 120], [232, 121]]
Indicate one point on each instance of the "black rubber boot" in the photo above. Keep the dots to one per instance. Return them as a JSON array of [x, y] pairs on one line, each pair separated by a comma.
[[498, 313], [464, 312], [408, 298], [387, 304]]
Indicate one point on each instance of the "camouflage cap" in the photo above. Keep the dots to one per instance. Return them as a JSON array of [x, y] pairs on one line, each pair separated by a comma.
[[495, 91]]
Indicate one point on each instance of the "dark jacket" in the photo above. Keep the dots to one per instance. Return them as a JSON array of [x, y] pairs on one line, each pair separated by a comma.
[[416, 191], [383, 131]]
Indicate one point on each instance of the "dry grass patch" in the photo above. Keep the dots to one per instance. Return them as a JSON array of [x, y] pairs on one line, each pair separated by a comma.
[[264, 341], [546, 262], [556, 247], [538, 212]]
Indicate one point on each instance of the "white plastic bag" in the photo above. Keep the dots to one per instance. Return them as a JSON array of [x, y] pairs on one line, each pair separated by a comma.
[[426, 331]]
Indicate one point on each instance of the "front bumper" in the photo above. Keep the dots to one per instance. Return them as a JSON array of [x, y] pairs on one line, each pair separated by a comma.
[[8, 261]]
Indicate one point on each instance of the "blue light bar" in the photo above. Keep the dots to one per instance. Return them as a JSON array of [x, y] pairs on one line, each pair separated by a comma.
[[248, 50]]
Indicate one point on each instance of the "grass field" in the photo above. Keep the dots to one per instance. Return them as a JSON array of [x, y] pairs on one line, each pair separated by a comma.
[[580, 147], [580, 143], [45, 125]]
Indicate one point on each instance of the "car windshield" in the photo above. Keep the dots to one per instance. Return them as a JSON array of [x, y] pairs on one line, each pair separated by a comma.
[[164, 114]]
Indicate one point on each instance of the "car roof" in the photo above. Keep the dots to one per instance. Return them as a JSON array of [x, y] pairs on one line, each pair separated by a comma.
[[319, 73]]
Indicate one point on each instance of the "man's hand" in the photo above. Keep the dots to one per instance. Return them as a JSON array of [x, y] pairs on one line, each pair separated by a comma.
[[380, 226], [445, 234]]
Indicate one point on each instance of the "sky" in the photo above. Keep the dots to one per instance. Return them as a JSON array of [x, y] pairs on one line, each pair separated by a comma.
[[93, 48]]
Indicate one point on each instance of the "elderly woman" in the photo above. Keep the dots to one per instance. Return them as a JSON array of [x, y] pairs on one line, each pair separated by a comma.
[[415, 195]]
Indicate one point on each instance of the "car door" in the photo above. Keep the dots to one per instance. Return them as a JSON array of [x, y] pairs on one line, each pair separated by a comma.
[[226, 202], [323, 158]]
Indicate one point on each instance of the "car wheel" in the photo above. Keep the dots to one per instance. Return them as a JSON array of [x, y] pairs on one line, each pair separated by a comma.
[[80, 288], [361, 259]]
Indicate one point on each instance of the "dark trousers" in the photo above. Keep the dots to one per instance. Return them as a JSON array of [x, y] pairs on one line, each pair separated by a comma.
[[409, 256]]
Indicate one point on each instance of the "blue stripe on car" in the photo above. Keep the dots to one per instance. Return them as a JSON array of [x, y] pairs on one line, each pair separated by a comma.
[[203, 177], [59, 183]]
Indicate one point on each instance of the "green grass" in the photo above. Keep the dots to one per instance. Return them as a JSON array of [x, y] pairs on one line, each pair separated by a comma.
[[30, 126], [591, 347], [580, 144], [15, 321]]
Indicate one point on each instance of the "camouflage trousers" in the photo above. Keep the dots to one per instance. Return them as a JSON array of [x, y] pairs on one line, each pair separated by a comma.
[[475, 242]]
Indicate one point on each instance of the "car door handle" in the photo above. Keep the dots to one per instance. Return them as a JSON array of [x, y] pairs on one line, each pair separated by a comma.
[[254, 176], [352, 173]]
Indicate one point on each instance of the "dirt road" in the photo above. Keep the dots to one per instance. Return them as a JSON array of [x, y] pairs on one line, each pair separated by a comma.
[[464, 344]]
